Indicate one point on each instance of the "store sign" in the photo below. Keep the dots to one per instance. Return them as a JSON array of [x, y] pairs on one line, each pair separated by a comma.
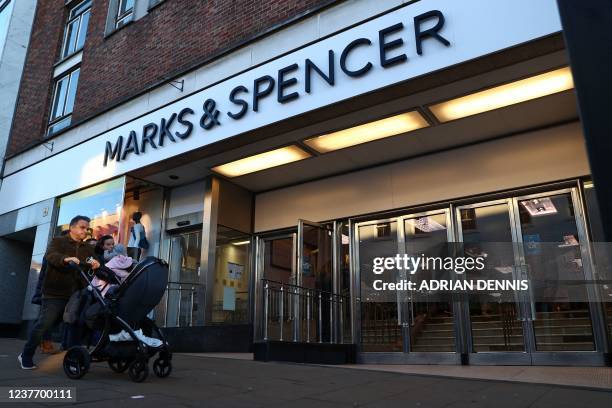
[[401, 45], [283, 85]]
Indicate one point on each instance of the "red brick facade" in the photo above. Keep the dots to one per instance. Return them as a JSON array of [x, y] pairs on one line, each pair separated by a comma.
[[174, 36]]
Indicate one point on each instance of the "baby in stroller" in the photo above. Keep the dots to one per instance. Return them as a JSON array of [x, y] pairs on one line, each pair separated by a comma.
[[117, 268], [112, 324]]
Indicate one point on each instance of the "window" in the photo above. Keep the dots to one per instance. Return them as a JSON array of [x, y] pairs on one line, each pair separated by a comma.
[[101, 203], [6, 10], [125, 12], [64, 93], [153, 3], [76, 28]]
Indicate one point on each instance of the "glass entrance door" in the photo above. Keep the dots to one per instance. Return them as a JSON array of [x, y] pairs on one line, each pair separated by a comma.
[[537, 238], [184, 289], [551, 234], [495, 321], [428, 316], [315, 278], [276, 279], [381, 319], [419, 325]]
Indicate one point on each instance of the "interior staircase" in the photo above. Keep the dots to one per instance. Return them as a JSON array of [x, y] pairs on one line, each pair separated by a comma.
[[555, 331]]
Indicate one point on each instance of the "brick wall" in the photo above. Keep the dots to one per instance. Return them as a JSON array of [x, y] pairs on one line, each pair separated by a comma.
[[171, 38], [31, 113]]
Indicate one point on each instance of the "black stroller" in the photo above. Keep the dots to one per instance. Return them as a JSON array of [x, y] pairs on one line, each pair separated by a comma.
[[126, 308]]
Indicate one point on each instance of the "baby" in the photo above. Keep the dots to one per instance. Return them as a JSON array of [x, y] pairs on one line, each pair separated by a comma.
[[119, 263]]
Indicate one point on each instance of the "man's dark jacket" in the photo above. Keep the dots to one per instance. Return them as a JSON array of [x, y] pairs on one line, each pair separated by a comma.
[[62, 281]]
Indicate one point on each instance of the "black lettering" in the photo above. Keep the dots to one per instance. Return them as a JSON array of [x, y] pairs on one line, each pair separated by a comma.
[[149, 131], [283, 83], [244, 105], [310, 66], [131, 146], [164, 129], [385, 46], [353, 44], [113, 153], [259, 94], [430, 32], [187, 123]]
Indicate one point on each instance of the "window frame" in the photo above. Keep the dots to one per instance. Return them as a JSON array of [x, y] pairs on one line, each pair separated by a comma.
[[4, 3], [56, 81], [127, 16], [64, 54]]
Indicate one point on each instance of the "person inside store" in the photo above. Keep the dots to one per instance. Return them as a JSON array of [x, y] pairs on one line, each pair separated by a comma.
[[60, 283], [138, 238]]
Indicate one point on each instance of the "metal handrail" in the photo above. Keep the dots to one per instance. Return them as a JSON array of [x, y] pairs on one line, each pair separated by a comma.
[[191, 287], [309, 313]]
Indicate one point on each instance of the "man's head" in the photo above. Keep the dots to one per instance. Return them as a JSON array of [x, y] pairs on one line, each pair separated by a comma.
[[137, 216], [79, 226]]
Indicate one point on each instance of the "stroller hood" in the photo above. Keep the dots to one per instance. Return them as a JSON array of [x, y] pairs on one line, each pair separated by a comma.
[[142, 290]]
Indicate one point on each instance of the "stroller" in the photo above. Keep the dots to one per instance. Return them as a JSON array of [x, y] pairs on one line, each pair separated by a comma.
[[122, 309]]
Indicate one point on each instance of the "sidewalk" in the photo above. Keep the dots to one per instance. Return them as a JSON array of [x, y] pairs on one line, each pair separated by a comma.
[[587, 377], [218, 381]]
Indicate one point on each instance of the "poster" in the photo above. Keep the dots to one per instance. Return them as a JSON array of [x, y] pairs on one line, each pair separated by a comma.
[[234, 271]]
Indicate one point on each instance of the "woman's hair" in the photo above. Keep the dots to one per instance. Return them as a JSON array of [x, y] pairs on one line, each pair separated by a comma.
[[137, 216], [99, 248]]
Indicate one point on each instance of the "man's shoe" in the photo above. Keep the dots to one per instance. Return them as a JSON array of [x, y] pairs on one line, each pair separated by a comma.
[[47, 347], [26, 363]]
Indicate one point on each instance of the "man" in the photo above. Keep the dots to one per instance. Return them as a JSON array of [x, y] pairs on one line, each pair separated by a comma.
[[60, 283]]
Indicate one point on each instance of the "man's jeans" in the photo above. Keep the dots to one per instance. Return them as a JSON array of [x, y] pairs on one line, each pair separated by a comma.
[[51, 312]]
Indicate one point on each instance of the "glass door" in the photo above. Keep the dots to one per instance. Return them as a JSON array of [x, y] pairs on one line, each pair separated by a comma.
[[380, 317], [495, 320], [276, 279], [552, 232], [537, 238], [428, 316], [316, 300], [184, 290]]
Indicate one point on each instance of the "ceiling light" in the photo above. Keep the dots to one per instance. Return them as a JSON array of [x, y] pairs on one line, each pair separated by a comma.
[[368, 132], [241, 243], [505, 95], [262, 161]]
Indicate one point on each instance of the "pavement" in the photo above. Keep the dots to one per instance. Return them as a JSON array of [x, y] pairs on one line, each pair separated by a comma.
[[235, 381]]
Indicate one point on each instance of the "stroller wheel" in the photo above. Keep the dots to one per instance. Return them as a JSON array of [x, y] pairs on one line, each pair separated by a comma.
[[118, 365], [138, 370], [76, 362], [162, 367]]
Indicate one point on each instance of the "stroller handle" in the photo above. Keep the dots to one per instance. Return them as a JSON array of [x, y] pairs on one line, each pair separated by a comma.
[[78, 268]]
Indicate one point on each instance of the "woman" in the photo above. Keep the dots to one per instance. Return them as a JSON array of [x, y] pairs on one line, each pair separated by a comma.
[[106, 243]]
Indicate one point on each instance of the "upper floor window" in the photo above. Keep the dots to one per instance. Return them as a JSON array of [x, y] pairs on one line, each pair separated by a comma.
[[64, 93], [125, 12], [76, 28]]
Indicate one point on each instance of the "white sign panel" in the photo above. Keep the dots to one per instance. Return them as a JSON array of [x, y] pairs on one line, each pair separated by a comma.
[[375, 54]]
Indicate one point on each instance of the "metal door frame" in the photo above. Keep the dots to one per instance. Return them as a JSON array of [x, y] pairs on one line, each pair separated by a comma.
[[403, 308], [597, 356], [300, 273], [530, 356], [259, 262], [493, 357]]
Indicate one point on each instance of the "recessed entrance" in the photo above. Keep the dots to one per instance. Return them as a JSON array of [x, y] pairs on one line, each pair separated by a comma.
[[540, 238]]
